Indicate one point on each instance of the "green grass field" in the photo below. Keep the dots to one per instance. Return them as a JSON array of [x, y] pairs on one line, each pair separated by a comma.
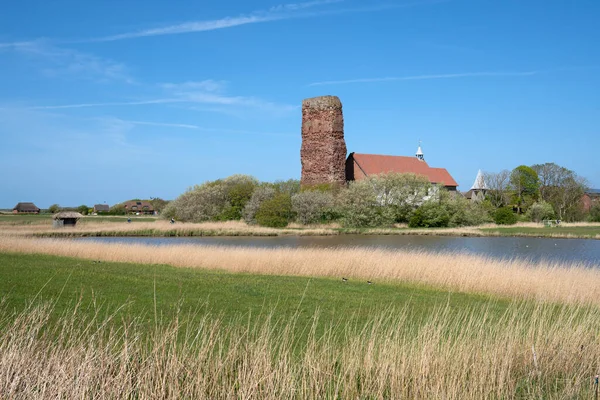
[[579, 231], [372, 341], [64, 280]]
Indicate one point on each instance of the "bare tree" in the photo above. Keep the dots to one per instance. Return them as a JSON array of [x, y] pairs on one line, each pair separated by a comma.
[[498, 184], [562, 188]]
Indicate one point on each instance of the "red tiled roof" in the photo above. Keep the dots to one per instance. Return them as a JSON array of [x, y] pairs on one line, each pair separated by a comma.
[[373, 164]]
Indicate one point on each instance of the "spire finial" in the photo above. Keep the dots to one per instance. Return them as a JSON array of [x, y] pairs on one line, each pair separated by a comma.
[[419, 153]]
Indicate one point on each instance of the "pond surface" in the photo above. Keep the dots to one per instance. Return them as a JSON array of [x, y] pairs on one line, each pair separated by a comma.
[[535, 249]]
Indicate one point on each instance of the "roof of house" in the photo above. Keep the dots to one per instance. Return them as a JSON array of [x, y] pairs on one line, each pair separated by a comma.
[[139, 204], [67, 214], [593, 192], [101, 207], [373, 164], [26, 207]]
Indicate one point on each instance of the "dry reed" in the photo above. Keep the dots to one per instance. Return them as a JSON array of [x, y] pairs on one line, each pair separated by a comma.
[[529, 352], [567, 283]]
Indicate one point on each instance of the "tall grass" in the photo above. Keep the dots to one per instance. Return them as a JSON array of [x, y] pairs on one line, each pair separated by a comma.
[[532, 351], [160, 228], [515, 278]]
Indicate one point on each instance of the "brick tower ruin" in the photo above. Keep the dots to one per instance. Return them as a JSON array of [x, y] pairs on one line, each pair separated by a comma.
[[323, 152]]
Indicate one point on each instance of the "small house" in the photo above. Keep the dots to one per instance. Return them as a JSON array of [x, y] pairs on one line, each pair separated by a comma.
[[101, 208], [65, 218], [26, 208]]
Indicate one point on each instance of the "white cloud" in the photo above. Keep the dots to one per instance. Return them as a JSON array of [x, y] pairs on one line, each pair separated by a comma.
[[63, 62], [208, 85], [207, 92], [284, 11], [427, 77]]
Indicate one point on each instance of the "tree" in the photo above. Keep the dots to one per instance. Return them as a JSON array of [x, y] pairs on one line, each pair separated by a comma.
[[526, 185], [158, 204], [401, 194], [498, 188], [563, 189], [54, 208], [540, 211], [83, 209], [360, 207]]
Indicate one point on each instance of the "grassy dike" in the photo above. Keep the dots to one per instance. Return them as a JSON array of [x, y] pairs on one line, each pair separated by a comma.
[[64, 280], [76, 328]]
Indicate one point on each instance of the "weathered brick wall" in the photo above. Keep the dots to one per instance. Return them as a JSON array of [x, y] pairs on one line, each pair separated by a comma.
[[323, 152]]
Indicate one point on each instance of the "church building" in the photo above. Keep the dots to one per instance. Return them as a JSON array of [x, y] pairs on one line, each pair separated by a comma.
[[360, 166]]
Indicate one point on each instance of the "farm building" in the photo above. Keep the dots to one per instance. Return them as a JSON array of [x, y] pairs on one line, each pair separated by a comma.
[[139, 206], [26, 208], [101, 208], [65, 218]]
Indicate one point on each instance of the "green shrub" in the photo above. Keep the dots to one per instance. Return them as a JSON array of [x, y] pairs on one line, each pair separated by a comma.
[[276, 212], [311, 206], [505, 216], [291, 186], [540, 211], [464, 212], [360, 208], [432, 214], [83, 209], [262, 193], [219, 200]]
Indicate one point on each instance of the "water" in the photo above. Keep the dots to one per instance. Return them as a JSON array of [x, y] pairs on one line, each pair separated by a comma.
[[535, 249]]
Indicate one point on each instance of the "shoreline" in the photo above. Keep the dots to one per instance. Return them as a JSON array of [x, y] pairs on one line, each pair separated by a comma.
[[449, 232]]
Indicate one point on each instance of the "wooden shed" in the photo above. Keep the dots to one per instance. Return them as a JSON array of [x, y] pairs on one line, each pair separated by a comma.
[[65, 218]]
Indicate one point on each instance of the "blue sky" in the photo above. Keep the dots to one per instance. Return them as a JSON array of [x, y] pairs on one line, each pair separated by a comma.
[[112, 100]]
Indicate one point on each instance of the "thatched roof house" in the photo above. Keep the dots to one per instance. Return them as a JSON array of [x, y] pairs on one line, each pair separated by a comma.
[[28, 208], [101, 208], [139, 207], [65, 218]]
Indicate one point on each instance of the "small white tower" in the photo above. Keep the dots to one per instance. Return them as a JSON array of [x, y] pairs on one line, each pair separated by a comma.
[[479, 183], [479, 188], [420, 154]]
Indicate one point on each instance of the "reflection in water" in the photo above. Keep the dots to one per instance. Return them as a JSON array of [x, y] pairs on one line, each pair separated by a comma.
[[535, 249]]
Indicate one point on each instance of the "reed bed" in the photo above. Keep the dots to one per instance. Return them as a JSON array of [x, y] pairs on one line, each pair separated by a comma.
[[531, 351], [515, 278], [161, 228]]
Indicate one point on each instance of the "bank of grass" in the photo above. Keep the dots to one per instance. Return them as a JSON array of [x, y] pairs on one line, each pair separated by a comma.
[[591, 231], [96, 226], [514, 278], [155, 331], [45, 219]]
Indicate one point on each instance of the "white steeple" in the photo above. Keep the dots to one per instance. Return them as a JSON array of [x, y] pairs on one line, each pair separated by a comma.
[[479, 183], [419, 153]]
